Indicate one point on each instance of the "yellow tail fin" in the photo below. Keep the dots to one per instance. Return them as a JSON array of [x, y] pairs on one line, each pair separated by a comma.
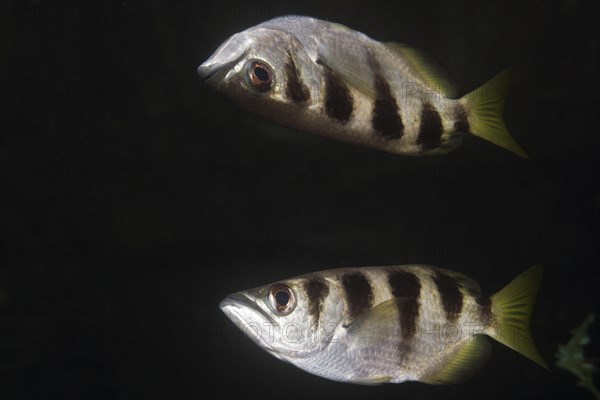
[[512, 307], [485, 107]]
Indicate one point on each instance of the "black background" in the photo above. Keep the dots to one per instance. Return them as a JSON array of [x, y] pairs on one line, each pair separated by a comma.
[[133, 198]]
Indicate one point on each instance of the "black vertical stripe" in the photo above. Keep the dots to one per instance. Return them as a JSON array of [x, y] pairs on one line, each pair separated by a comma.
[[450, 294], [295, 89], [386, 120], [316, 291], [338, 100], [461, 120], [359, 295], [407, 286], [485, 311], [431, 129]]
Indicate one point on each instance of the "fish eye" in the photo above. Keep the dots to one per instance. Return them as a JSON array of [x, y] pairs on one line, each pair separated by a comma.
[[282, 299], [260, 75]]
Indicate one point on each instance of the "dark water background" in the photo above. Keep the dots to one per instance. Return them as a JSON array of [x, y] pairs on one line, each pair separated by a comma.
[[133, 199]]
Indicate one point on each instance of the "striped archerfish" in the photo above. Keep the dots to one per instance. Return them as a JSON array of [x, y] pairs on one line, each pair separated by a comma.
[[327, 79], [374, 325]]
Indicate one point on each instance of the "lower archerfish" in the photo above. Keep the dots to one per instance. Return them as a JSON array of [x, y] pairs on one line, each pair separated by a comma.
[[374, 325], [327, 79]]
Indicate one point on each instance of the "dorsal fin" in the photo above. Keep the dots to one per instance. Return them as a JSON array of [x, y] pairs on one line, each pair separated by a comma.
[[471, 286], [434, 76]]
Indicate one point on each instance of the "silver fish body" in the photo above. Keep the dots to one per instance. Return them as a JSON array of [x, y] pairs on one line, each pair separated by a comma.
[[373, 325], [327, 79]]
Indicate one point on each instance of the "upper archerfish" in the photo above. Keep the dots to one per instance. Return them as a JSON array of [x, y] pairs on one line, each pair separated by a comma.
[[327, 79]]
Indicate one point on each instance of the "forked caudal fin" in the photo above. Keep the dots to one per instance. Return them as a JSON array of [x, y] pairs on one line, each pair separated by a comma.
[[485, 107], [511, 308]]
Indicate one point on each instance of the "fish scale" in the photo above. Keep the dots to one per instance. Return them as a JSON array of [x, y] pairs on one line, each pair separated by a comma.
[[372, 325], [327, 79]]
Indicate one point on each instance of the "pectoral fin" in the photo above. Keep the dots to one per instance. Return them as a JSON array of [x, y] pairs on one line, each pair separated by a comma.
[[350, 68], [379, 326]]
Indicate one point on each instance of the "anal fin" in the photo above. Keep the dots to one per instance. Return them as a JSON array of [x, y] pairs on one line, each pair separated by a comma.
[[463, 364], [373, 380]]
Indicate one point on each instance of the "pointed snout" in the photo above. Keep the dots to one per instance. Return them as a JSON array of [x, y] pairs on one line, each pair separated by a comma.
[[207, 70], [234, 300], [225, 57]]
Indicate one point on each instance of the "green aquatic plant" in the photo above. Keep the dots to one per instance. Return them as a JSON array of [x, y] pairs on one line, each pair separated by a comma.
[[571, 357]]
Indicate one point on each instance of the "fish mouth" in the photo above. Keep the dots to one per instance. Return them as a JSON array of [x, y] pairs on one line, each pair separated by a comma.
[[208, 70], [225, 57], [260, 327], [247, 315], [238, 300]]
